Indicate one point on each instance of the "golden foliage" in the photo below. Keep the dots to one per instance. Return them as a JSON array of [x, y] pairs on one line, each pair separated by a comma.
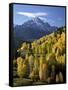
[[20, 66], [46, 49]]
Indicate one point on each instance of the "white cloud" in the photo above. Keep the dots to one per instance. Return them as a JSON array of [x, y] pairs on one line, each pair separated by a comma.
[[26, 14], [39, 14], [43, 18]]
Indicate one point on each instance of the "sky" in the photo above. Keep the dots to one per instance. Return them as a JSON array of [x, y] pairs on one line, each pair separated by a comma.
[[55, 16]]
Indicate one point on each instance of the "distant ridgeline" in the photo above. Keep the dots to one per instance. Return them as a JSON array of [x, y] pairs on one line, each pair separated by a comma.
[[33, 29]]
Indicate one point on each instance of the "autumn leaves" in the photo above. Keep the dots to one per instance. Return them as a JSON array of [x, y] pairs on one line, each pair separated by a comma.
[[40, 59]]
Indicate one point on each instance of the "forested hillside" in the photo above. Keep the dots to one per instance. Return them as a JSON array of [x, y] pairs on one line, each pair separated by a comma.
[[42, 61]]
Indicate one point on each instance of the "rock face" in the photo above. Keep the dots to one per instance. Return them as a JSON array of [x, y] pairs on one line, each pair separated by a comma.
[[33, 29]]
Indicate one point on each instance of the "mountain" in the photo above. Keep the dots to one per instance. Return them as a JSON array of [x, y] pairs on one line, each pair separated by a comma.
[[33, 29]]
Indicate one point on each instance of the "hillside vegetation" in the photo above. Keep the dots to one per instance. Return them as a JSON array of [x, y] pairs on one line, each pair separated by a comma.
[[42, 61]]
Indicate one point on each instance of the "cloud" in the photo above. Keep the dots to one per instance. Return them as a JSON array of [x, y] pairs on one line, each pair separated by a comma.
[[43, 18], [26, 14], [39, 14]]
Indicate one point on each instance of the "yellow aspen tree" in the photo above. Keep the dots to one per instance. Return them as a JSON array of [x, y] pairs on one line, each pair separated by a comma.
[[45, 69], [31, 62], [40, 68], [57, 78], [20, 67], [61, 77]]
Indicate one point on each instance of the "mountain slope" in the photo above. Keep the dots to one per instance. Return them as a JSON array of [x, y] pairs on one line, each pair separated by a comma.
[[33, 29]]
